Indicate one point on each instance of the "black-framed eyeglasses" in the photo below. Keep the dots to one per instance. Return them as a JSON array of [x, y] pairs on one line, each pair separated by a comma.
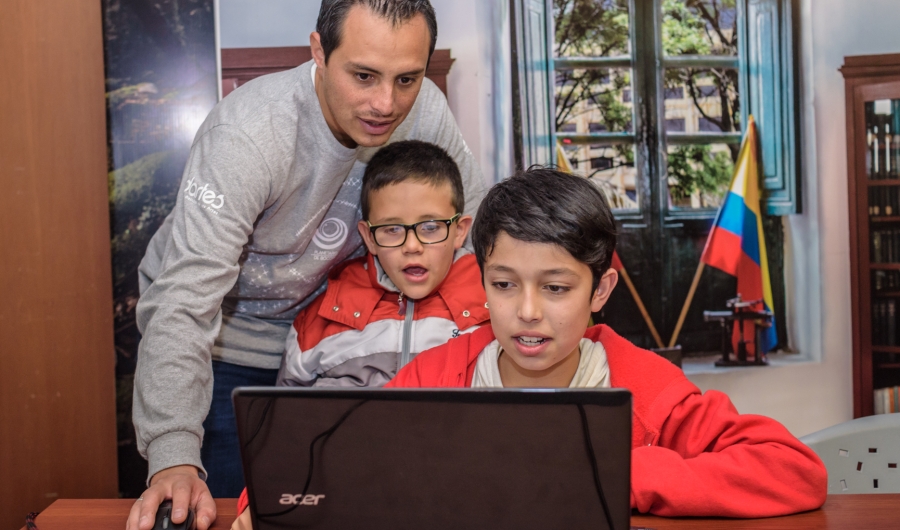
[[427, 232]]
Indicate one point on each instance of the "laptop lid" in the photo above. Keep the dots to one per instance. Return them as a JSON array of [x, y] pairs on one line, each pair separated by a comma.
[[437, 459]]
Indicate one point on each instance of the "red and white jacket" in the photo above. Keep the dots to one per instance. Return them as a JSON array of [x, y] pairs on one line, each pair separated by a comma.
[[355, 333], [692, 453]]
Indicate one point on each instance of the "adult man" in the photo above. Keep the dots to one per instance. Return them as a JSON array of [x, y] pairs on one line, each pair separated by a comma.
[[269, 197]]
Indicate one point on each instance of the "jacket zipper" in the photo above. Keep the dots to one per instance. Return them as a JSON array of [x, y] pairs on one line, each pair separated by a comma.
[[407, 332]]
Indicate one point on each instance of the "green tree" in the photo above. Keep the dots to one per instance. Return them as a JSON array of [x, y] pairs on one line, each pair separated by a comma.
[[592, 28], [695, 168], [597, 28], [702, 27]]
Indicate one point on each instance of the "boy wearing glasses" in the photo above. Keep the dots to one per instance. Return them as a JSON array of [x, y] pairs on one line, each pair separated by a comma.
[[415, 289], [544, 241]]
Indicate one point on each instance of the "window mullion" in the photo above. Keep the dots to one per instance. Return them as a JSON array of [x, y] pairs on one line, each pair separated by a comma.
[[703, 138], [584, 63], [701, 61], [646, 106], [595, 138]]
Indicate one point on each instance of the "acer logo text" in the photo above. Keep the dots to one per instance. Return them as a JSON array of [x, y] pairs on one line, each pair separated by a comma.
[[204, 195], [302, 500]]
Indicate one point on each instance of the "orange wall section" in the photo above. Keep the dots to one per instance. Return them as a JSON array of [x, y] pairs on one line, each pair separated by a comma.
[[57, 383]]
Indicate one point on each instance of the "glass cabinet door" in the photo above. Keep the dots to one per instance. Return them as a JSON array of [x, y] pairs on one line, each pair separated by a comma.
[[882, 183]]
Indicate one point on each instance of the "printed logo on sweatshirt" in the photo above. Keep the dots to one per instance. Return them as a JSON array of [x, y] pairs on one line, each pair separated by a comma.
[[205, 197], [331, 235], [302, 500]]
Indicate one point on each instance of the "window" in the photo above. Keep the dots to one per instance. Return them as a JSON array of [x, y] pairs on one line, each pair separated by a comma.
[[601, 163], [671, 82], [675, 124], [708, 91], [708, 125], [674, 92]]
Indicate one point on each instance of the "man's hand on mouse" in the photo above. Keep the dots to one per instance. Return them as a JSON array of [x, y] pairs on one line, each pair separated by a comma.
[[184, 486]]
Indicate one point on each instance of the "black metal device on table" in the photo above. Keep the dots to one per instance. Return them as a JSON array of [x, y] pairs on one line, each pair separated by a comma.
[[741, 313]]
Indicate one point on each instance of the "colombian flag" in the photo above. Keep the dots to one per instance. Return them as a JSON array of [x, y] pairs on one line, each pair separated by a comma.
[[736, 245]]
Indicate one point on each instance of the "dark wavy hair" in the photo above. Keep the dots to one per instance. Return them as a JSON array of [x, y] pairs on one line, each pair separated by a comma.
[[333, 13], [544, 205], [412, 160]]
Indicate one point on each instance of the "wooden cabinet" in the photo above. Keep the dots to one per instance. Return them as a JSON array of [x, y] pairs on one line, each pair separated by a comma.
[[872, 90], [57, 371]]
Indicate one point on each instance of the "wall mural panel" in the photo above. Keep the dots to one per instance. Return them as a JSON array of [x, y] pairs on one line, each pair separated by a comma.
[[161, 82]]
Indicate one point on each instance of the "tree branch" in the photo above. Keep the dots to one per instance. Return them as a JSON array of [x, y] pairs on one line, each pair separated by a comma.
[[695, 95], [712, 19]]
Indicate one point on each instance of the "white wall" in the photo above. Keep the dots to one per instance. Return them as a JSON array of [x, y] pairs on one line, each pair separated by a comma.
[[475, 31], [266, 23], [805, 397]]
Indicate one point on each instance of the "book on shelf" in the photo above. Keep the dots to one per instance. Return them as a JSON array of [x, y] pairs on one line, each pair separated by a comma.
[[891, 324], [884, 200], [887, 400], [884, 323], [886, 281], [885, 246]]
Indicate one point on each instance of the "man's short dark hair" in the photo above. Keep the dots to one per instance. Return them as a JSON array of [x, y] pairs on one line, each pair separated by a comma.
[[412, 160], [543, 205], [333, 13]]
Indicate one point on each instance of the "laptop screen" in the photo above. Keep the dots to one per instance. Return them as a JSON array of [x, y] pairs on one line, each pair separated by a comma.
[[499, 458]]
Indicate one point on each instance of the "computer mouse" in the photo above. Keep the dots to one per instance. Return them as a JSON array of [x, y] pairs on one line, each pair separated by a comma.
[[164, 518]]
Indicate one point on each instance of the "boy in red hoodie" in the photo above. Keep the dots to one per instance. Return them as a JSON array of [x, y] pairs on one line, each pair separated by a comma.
[[544, 242]]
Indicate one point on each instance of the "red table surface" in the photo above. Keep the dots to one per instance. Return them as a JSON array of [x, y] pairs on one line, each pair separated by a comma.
[[854, 512]]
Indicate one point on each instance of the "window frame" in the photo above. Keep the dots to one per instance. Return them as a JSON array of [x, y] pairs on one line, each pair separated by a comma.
[[648, 64], [654, 237], [775, 35]]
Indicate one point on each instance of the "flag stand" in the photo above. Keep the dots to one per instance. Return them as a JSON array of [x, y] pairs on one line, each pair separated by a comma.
[[738, 315], [637, 299]]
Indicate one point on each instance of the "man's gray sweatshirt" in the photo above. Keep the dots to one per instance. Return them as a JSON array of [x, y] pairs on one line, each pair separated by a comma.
[[268, 204]]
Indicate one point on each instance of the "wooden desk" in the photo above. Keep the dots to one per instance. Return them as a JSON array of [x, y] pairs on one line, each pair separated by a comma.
[[840, 512]]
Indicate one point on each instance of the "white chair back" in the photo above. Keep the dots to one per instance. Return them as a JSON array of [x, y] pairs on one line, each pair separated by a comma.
[[861, 455]]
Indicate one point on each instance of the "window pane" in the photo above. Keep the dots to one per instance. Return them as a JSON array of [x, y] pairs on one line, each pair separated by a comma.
[[699, 27], [591, 28], [611, 168], [710, 101], [594, 100], [675, 124], [699, 175]]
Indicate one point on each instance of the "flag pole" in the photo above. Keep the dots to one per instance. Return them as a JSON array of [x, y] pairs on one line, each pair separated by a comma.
[[637, 298], [687, 305]]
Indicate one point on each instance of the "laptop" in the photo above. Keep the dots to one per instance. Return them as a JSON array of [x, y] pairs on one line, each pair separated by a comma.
[[437, 459]]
